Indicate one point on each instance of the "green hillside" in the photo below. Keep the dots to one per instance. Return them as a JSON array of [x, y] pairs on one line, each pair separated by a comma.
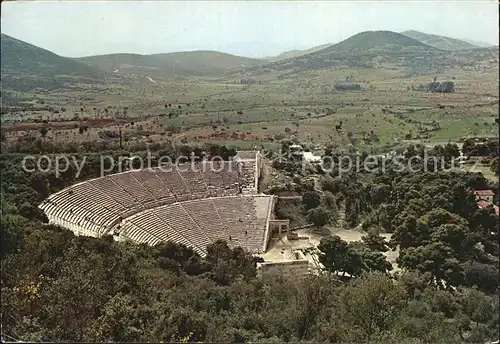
[[190, 63], [26, 67], [386, 40], [296, 53], [478, 43], [369, 49], [440, 42]]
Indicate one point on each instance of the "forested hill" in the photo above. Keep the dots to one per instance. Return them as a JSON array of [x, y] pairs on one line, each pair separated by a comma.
[[369, 49], [25, 66], [440, 42], [61, 287], [295, 53], [188, 63]]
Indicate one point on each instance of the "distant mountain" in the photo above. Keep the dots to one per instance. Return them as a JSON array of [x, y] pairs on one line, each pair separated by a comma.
[[25, 67], [440, 42], [369, 49], [381, 40], [253, 49], [296, 53], [189, 63], [478, 43]]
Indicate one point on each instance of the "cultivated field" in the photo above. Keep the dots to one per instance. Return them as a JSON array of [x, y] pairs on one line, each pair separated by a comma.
[[303, 106]]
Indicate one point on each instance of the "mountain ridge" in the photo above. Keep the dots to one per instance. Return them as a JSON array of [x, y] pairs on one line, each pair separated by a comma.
[[367, 49], [479, 43], [296, 53], [375, 39], [438, 41], [25, 66], [185, 63]]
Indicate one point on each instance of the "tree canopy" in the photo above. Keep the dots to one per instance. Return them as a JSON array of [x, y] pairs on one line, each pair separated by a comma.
[[60, 287]]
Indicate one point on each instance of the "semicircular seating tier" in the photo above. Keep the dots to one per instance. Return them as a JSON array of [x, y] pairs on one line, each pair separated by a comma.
[[241, 220], [95, 207]]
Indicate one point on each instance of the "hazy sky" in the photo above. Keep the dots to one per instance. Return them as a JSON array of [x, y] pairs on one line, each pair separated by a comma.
[[252, 28]]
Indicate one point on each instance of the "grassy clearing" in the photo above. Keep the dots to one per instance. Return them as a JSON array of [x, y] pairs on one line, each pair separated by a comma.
[[460, 127], [485, 170]]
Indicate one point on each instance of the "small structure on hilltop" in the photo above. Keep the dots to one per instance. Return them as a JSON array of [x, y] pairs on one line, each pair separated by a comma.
[[297, 152], [486, 195], [484, 199], [311, 158], [483, 204]]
